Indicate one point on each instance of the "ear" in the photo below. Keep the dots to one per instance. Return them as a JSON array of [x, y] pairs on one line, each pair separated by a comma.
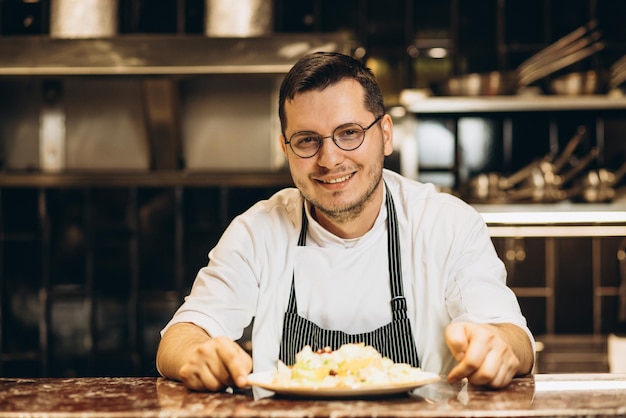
[[386, 125], [283, 146]]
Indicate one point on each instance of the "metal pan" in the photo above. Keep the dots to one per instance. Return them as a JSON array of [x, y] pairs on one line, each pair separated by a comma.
[[544, 185], [551, 54], [577, 45], [599, 185], [617, 74], [540, 181], [494, 187], [579, 83], [494, 83], [559, 64]]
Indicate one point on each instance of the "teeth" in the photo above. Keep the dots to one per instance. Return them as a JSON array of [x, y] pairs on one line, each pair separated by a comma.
[[338, 180]]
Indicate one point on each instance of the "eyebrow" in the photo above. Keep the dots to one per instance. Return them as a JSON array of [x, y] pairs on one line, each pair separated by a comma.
[[317, 133]]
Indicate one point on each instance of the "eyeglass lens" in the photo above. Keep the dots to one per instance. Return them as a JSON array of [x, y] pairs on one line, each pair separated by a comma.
[[348, 137]]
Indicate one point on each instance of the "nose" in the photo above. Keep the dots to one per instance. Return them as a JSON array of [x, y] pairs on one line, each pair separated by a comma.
[[329, 155]]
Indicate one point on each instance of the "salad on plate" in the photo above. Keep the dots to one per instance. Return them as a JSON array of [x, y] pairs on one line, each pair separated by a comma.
[[355, 368]]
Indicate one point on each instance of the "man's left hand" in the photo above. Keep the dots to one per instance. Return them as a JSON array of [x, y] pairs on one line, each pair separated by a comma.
[[485, 353]]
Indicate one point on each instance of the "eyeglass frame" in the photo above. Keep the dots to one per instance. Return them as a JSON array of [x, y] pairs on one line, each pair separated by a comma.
[[332, 136]]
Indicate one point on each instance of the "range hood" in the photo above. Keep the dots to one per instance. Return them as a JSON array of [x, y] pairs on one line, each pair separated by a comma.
[[171, 99], [147, 54]]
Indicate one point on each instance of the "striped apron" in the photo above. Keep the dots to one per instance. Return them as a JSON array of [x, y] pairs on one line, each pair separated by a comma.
[[394, 340]]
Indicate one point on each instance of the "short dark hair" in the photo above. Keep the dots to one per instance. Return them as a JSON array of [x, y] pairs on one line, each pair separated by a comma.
[[320, 70]]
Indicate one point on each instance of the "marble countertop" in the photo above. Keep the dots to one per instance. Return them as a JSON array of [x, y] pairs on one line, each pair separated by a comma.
[[539, 395]]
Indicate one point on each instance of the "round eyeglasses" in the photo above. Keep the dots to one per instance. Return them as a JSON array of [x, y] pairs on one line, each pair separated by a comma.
[[348, 137]]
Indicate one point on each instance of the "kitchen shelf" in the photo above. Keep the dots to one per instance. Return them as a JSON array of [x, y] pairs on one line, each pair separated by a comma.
[[564, 219], [564, 212], [160, 54], [147, 179], [558, 231], [521, 103]]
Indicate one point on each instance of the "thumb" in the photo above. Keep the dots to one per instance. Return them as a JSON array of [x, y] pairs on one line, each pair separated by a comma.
[[456, 340]]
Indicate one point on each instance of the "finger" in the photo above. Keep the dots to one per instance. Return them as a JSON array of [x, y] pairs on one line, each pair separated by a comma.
[[496, 379], [506, 366], [490, 370], [205, 369], [469, 365], [502, 378], [237, 363], [498, 366], [198, 379], [476, 347], [456, 340]]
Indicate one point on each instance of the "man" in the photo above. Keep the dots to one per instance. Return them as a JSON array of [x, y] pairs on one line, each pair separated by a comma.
[[355, 253]]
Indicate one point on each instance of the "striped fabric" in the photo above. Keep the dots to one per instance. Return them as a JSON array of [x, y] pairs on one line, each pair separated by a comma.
[[394, 340]]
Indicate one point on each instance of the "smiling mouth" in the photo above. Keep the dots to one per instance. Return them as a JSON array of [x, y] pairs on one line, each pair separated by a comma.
[[338, 179]]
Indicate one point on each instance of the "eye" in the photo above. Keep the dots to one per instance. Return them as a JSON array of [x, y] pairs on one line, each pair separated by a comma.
[[349, 132], [305, 139]]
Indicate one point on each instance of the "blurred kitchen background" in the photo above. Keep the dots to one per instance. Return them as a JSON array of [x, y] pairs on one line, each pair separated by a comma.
[[133, 131]]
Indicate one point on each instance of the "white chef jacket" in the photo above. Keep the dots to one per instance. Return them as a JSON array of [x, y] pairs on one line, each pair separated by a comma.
[[450, 273]]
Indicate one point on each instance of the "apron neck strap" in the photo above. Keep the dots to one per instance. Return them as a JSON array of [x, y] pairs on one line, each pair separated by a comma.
[[398, 302]]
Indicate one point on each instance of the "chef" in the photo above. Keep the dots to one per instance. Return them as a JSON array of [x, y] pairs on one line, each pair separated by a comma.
[[353, 253]]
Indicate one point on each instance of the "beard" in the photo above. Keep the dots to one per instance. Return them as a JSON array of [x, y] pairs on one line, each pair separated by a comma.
[[344, 211]]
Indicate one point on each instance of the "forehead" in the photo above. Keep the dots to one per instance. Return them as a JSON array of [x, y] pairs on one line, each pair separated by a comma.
[[321, 110]]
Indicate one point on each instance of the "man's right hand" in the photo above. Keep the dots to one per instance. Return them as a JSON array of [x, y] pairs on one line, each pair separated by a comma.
[[188, 354]]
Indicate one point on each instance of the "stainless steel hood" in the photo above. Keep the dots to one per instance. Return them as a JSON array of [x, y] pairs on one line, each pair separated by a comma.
[[145, 55], [125, 103]]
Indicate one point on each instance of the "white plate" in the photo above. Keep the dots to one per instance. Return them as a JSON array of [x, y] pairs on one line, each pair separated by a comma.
[[264, 380]]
